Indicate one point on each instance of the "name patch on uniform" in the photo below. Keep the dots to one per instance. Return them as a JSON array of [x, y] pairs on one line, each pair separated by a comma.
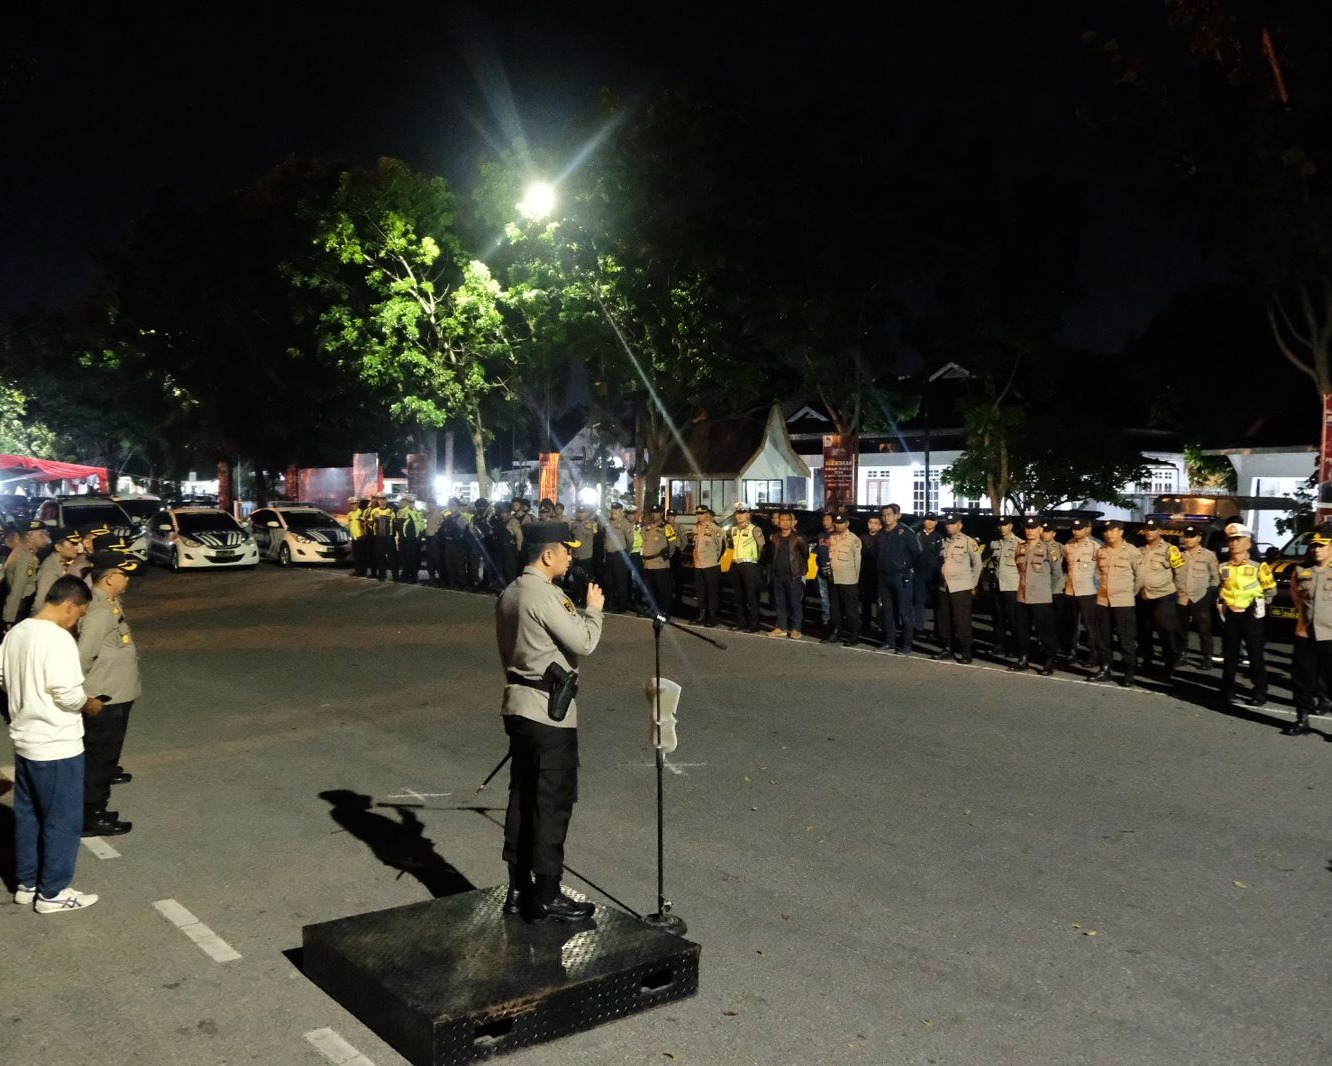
[[568, 606]]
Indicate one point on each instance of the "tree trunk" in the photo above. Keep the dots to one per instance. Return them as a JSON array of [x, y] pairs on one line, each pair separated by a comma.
[[448, 460], [479, 443], [427, 444]]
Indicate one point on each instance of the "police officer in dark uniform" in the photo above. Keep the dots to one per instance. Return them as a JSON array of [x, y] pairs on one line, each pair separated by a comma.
[[897, 550], [927, 568], [537, 625]]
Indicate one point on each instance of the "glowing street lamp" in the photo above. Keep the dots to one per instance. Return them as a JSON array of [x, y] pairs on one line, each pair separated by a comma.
[[538, 202]]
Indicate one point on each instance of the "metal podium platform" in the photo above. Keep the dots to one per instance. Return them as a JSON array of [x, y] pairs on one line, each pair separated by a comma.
[[455, 980]]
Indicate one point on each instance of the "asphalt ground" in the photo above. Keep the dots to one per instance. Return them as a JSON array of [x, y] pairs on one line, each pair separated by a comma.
[[885, 860]]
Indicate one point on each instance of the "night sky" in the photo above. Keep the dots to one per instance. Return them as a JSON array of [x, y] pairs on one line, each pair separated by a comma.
[[204, 98]]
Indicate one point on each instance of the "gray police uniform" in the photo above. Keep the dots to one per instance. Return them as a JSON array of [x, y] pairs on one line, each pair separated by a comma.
[[1201, 578], [1311, 659], [110, 664], [1079, 561], [959, 571], [536, 624], [1037, 563], [21, 574], [1002, 552]]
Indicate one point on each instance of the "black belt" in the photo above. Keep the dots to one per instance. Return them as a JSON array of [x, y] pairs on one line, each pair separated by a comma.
[[527, 682]]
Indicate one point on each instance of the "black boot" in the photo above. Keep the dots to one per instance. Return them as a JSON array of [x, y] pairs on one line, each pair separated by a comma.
[[1299, 727], [1102, 674], [1020, 665], [99, 822], [520, 889], [549, 902]]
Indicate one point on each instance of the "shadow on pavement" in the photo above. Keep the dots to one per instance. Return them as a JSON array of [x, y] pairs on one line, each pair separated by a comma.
[[400, 844]]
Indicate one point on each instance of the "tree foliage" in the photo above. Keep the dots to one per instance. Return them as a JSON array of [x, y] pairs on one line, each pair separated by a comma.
[[1234, 137]]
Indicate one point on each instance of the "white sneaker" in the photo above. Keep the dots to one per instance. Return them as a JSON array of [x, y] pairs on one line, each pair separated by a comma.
[[67, 899], [24, 896], [777, 633]]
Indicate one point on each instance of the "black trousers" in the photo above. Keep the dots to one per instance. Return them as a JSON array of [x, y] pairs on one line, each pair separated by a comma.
[[363, 555], [952, 621], [1040, 616], [386, 557], [659, 590], [409, 560], [543, 787], [1199, 615], [434, 560], [1244, 628], [747, 582], [1160, 615], [707, 588], [846, 610], [1311, 666], [617, 581], [1112, 622], [897, 610], [1071, 614], [103, 741], [455, 564], [1005, 622]]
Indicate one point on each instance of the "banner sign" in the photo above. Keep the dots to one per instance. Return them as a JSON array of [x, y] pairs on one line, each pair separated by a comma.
[[840, 452], [1325, 461], [224, 497], [418, 475], [367, 475], [550, 476]]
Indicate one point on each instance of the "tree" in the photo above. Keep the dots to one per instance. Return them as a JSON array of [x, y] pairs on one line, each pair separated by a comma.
[[1236, 142], [1005, 282], [418, 321]]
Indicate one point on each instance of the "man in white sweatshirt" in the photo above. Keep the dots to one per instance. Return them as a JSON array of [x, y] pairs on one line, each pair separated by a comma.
[[40, 671]]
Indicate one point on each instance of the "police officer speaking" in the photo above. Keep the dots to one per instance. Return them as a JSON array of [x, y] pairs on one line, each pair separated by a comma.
[[541, 636]]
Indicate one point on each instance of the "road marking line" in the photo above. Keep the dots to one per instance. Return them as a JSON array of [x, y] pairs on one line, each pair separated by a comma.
[[335, 1049], [419, 797], [212, 944], [100, 848]]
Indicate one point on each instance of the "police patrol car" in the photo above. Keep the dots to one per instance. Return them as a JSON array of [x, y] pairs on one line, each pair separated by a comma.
[[186, 538], [293, 533]]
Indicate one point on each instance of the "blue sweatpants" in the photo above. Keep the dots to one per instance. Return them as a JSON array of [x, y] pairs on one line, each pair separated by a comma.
[[48, 820]]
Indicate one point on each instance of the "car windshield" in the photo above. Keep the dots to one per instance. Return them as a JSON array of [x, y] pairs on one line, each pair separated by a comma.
[[208, 522], [92, 515], [140, 509], [309, 520]]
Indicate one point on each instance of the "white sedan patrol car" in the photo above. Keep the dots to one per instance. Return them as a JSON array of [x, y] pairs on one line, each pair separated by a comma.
[[290, 533], [189, 537]]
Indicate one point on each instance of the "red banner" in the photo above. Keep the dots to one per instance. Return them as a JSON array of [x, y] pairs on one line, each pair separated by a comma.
[[550, 476], [1325, 461], [367, 476], [840, 452], [224, 497], [418, 475]]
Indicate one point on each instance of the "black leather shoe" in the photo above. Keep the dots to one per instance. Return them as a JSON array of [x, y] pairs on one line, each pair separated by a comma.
[[513, 900], [965, 660], [561, 909], [1103, 674], [105, 826], [122, 778], [942, 654], [1019, 666], [1299, 727], [829, 640], [1046, 670]]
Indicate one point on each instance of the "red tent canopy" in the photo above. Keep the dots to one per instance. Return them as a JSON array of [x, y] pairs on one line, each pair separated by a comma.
[[25, 466]]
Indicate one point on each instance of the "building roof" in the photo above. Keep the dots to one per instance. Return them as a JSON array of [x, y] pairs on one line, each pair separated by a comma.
[[726, 447]]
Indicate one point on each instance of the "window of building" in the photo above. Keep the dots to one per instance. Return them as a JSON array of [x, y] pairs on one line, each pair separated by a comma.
[[680, 495], [717, 493], [878, 487], [1161, 480], [759, 491], [924, 498]]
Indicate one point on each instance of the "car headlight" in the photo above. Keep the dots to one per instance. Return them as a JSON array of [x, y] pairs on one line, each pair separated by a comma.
[[298, 538]]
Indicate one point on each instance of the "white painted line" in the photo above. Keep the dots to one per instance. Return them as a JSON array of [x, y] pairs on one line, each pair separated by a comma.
[[335, 1049], [213, 945], [419, 797], [100, 848]]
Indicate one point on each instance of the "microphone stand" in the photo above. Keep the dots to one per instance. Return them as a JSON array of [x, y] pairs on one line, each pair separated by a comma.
[[663, 918]]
